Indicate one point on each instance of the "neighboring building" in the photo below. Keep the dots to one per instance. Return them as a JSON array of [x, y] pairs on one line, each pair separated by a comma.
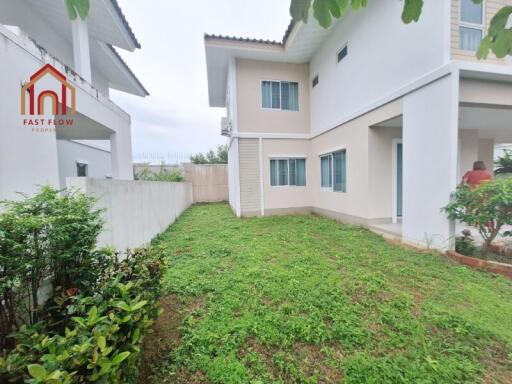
[[57, 67], [371, 122], [81, 159]]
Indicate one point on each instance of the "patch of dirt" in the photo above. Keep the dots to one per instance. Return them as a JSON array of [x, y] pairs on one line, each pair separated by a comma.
[[411, 247], [498, 366], [418, 303], [184, 377], [310, 359], [165, 335], [313, 362]]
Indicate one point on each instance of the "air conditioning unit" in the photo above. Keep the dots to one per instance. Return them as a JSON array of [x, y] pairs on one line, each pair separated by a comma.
[[225, 127]]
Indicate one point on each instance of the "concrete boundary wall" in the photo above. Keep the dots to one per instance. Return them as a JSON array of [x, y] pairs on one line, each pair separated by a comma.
[[135, 211], [209, 182]]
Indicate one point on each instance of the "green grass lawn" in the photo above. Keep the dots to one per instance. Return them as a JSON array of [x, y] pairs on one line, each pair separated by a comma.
[[304, 299]]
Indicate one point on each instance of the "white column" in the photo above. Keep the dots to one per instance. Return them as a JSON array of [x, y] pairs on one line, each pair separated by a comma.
[[121, 152], [262, 188], [81, 54], [468, 150], [486, 152], [430, 148]]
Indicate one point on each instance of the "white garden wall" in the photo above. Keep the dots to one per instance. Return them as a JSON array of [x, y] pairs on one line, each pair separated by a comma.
[[136, 211]]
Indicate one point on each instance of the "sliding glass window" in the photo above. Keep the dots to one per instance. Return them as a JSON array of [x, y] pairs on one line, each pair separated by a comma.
[[333, 171], [288, 172], [339, 171], [326, 171], [282, 95], [471, 28]]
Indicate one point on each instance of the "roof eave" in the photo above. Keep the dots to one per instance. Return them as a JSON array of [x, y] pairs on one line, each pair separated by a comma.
[[120, 60], [125, 23]]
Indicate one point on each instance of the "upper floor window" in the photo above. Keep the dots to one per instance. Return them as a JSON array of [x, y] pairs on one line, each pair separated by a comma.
[[342, 53], [315, 81], [288, 172], [280, 95], [471, 27]]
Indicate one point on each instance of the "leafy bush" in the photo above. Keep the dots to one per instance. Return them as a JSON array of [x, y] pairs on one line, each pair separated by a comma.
[[162, 175], [465, 245], [487, 207], [220, 156], [102, 335], [49, 236], [504, 163], [100, 304]]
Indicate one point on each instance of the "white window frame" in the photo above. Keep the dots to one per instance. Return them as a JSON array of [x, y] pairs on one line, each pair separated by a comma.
[[465, 24], [394, 178], [331, 188], [280, 96], [271, 95], [288, 158], [330, 153]]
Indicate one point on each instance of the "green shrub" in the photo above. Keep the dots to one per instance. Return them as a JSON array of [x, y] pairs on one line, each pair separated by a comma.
[[50, 236], [487, 207], [465, 245], [503, 165], [101, 339], [100, 303], [161, 175]]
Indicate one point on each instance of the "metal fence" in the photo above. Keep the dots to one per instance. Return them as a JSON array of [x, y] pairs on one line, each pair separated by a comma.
[[158, 158]]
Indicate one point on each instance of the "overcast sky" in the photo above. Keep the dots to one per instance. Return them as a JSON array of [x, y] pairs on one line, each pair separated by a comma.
[[172, 66]]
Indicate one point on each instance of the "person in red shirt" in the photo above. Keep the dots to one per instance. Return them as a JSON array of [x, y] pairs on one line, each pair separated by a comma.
[[477, 176]]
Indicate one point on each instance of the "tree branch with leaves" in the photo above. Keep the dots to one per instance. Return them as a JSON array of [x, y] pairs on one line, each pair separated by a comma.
[[498, 39], [77, 8]]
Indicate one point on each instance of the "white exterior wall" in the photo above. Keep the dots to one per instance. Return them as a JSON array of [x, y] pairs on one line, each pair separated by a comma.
[[250, 182], [430, 137], [384, 55], [29, 159], [136, 211], [46, 37], [468, 151], [233, 150], [234, 177], [99, 162]]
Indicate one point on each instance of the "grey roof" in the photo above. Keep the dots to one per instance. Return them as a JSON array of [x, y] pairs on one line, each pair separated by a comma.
[[252, 40], [127, 68], [125, 22], [135, 42]]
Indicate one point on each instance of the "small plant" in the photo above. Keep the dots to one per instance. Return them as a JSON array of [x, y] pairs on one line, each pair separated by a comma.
[[220, 156], [161, 175], [50, 236], [487, 207], [102, 334], [504, 163], [465, 244]]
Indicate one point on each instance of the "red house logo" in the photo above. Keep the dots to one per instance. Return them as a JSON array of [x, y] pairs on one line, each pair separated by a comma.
[[36, 102]]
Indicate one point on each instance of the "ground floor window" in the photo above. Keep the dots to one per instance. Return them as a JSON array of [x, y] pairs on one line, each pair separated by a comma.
[[326, 171], [288, 172], [334, 171]]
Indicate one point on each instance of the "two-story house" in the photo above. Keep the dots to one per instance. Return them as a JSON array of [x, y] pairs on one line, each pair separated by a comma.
[[55, 78], [370, 122]]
